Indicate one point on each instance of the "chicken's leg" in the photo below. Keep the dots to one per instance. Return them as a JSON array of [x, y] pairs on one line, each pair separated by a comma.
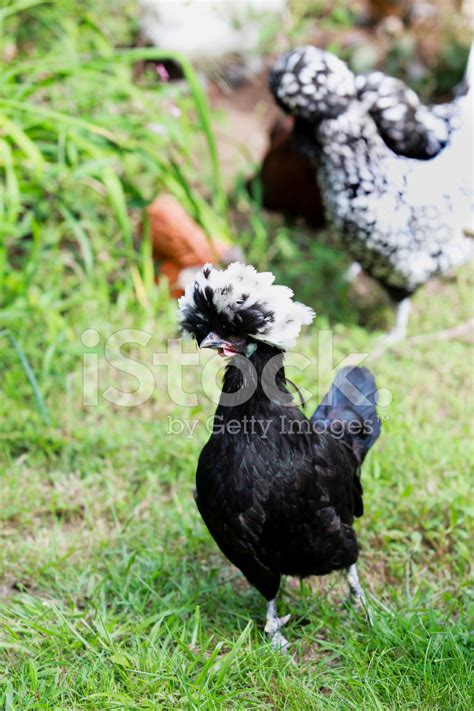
[[273, 626], [399, 331], [356, 594]]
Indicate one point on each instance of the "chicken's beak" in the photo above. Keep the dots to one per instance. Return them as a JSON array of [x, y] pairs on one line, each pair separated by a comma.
[[212, 340], [226, 346]]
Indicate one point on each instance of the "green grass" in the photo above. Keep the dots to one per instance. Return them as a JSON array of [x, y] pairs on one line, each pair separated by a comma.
[[112, 593]]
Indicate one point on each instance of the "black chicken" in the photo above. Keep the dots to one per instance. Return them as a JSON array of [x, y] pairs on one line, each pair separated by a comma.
[[278, 492]]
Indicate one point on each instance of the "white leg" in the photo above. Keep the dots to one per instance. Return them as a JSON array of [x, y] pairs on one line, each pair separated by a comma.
[[356, 594], [403, 314], [399, 331], [273, 626]]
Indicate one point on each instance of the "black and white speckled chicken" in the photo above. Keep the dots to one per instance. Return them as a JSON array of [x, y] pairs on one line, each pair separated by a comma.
[[404, 220], [277, 491], [287, 177]]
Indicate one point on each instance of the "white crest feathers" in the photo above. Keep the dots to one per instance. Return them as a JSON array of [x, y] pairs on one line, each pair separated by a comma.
[[240, 288]]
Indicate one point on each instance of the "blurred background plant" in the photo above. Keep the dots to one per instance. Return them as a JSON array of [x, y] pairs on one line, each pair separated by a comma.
[[85, 147]]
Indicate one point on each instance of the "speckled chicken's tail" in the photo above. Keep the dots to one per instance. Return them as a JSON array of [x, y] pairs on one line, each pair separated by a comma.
[[348, 410]]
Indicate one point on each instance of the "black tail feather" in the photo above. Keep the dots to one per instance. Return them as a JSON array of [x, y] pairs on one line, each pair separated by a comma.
[[348, 409]]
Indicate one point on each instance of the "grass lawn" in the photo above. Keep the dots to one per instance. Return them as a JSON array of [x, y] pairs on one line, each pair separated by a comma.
[[112, 593]]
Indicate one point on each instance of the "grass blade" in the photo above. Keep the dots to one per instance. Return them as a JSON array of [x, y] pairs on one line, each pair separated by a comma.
[[82, 238], [29, 374], [119, 205], [60, 117], [19, 6], [21, 139]]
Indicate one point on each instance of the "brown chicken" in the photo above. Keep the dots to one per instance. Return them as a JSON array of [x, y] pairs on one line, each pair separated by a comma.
[[180, 246], [379, 10], [287, 177]]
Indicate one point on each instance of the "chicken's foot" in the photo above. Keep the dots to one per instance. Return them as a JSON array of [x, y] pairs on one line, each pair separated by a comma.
[[356, 594], [273, 626]]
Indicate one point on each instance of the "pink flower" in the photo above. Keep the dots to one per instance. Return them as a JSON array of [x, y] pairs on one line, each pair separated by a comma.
[[162, 72]]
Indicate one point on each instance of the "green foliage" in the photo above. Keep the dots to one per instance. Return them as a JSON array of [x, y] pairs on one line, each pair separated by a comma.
[[438, 82], [82, 143], [451, 66]]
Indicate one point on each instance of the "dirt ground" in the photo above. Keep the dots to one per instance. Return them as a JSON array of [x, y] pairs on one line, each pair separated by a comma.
[[244, 117]]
